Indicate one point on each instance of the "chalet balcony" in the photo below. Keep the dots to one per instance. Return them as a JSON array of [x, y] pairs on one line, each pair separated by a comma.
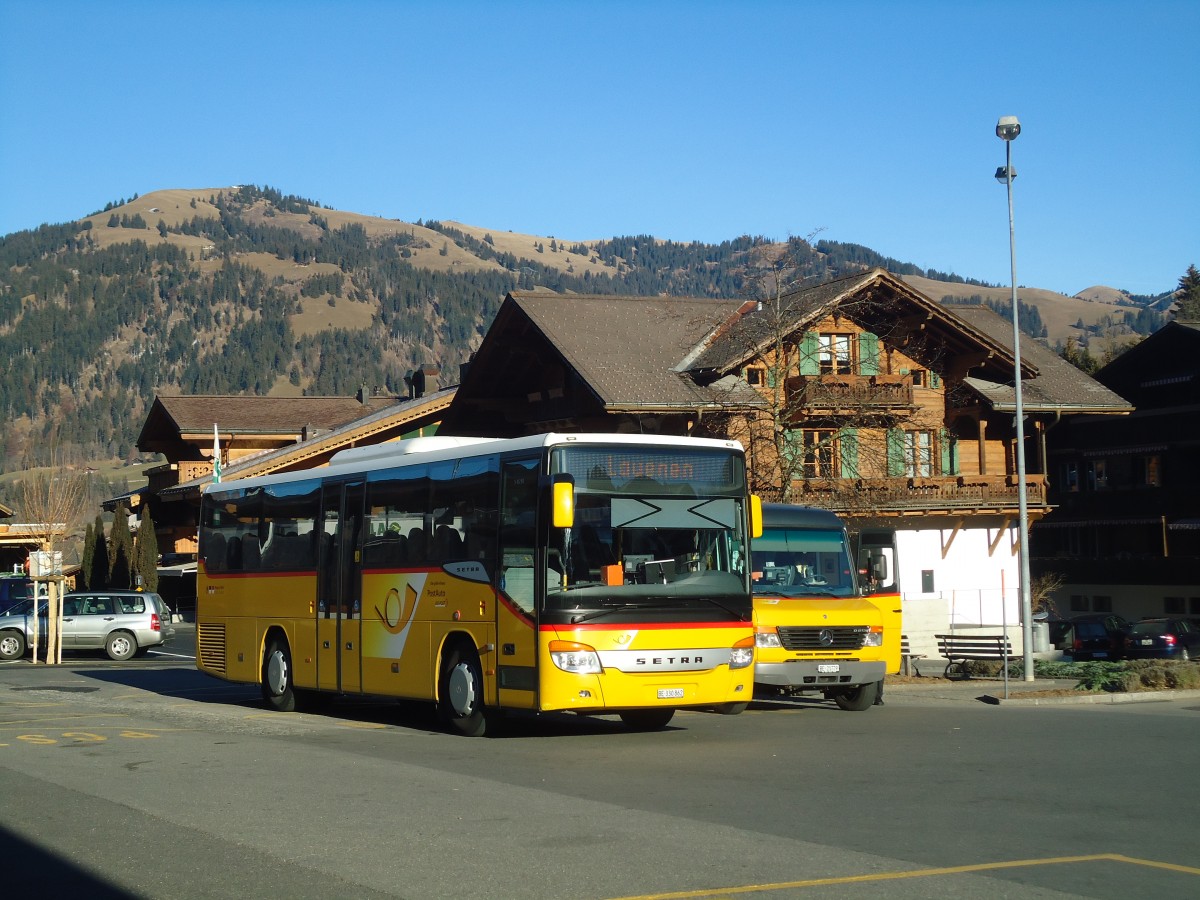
[[831, 392], [171, 474], [937, 494]]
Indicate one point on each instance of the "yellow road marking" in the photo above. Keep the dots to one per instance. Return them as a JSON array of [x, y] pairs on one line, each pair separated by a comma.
[[375, 725], [915, 873]]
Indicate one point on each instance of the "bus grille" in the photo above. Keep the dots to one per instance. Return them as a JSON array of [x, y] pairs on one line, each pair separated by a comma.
[[210, 641], [819, 639]]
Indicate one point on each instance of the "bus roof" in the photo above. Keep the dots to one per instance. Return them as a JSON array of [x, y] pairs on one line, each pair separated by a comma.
[[785, 515], [442, 447]]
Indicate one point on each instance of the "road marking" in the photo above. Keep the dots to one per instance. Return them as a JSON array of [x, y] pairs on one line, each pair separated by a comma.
[[915, 873], [176, 655]]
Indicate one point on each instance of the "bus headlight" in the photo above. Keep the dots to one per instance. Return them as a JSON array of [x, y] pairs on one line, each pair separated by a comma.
[[768, 639], [873, 638], [742, 654], [578, 659]]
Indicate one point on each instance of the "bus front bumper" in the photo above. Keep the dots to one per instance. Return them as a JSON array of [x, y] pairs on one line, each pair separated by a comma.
[[815, 674]]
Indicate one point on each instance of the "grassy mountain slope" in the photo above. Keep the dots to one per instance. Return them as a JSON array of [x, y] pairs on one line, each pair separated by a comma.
[[245, 290]]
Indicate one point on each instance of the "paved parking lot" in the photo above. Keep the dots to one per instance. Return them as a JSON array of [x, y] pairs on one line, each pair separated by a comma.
[[213, 796]]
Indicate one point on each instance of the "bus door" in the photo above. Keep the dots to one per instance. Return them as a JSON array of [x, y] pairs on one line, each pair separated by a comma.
[[339, 589], [517, 584]]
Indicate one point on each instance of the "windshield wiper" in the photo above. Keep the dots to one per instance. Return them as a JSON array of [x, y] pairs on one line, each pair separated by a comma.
[[597, 613]]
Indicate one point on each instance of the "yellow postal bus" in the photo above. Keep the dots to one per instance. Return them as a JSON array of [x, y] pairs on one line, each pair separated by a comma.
[[594, 573]]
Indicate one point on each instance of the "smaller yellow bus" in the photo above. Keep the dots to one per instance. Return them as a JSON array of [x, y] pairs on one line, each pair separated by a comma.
[[594, 573]]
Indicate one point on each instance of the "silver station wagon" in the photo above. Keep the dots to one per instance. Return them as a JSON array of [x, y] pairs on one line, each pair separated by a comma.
[[122, 623]]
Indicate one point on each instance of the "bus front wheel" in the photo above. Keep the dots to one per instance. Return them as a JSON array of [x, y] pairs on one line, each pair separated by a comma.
[[460, 692], [277, 688], [647, 719], [856, 699]]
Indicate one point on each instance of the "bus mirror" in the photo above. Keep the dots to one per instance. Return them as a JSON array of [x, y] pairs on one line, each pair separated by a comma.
[[756, 525], [879, 568], [562, 500]]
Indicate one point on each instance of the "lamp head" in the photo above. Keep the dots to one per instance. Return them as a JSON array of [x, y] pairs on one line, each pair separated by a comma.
[[1007, 128]]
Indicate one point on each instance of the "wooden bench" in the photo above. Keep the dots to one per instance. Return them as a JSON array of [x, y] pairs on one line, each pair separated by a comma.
[[962, 647], [907, 657]]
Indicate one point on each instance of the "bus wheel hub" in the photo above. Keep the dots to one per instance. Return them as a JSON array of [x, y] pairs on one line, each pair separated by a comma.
[[462, 690]]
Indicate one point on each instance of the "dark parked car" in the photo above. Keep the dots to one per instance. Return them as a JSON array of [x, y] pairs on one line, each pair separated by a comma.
[[1163, 639], [1098, 637]]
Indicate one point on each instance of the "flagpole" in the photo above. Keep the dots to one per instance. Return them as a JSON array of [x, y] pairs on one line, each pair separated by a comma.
[[216, 455]]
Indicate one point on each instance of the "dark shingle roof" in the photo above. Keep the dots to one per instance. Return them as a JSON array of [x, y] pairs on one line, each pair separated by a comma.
[[264, 415], [1058, 385], [628, 349]]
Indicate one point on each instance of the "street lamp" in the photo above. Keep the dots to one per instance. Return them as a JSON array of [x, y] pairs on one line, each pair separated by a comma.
[[1007, 129]]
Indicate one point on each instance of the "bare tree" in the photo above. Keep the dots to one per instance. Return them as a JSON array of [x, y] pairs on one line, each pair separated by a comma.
[[53, 502], [818, 381]]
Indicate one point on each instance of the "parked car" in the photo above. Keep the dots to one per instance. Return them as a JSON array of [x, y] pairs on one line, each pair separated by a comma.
[[1163, 639], [121, 623], [1098, 637]]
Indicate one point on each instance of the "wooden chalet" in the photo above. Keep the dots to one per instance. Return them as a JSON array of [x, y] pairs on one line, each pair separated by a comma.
[[860, 395], [882, 392], [1125, 532], [258, 436]]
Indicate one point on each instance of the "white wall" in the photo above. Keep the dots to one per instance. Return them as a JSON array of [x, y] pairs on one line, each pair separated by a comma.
[[972, 585]]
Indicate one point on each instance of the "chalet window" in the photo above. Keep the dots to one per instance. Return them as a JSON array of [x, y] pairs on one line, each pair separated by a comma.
[[1097, 475], [918, 377], [820, 447], [918, 453], [1101, 603], [756, 376], [1079, 603], [1070, 477], [834, 354], [1150, 469], [1173, 606]]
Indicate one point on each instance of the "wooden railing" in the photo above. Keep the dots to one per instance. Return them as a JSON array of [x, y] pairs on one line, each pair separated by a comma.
[[938, 492], [842, 391]]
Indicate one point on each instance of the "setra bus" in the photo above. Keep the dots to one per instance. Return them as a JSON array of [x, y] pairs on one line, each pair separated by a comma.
[[595, 573]]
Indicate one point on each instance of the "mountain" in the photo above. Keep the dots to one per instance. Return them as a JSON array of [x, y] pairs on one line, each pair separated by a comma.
[[247, 290]]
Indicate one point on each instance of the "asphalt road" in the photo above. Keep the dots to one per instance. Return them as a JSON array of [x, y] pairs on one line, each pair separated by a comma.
[[148, 779]]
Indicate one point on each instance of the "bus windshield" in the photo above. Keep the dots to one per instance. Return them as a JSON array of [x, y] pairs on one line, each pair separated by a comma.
[[652, 525], [802, 562]]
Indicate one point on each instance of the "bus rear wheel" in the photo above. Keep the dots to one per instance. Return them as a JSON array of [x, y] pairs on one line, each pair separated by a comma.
[[647, 719], [277, 688], [460, 692], [856, 699]]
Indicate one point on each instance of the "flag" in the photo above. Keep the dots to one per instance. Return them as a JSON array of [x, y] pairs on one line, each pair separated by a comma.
[[216, 455]]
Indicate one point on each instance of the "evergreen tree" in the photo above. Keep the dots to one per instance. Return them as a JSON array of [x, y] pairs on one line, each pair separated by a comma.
[[98, 574], [1187, 306], [89, 553], [120, 575], [146, 553]]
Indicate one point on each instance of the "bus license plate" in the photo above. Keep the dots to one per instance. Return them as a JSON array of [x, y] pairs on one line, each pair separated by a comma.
[[670, 693], [828, 668]]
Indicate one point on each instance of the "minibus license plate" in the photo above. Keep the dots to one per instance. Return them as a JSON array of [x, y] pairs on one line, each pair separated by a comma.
[[670, 693], [828, 668]]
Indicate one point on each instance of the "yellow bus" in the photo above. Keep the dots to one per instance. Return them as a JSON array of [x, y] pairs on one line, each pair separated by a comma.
[[595, 573], [817, 630]]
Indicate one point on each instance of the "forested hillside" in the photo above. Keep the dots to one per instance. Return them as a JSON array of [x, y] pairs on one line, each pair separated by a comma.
[[248, 290]]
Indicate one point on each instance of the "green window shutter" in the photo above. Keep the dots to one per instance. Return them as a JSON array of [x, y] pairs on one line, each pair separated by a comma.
[[809, 354], [771, 376], [935, 380], [895, 453], [949, 452], [793, 446], [848, 445], [868, 354]]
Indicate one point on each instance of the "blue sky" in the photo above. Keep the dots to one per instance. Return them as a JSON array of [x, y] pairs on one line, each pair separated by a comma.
[[870, 122]]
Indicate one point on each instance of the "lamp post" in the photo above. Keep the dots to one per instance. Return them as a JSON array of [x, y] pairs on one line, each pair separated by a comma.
[[1007, 129]]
